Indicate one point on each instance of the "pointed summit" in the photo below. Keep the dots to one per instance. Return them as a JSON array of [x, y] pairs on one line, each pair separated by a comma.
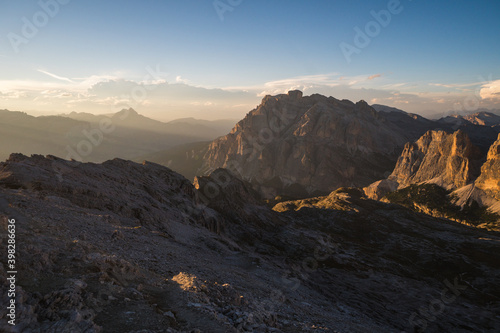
[[126, 113]]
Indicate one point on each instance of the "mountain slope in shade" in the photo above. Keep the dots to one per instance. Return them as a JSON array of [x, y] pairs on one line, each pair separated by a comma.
[[221, 126], [298, 145], [131, 119], [186, 159], [385, 108], [102, 247]]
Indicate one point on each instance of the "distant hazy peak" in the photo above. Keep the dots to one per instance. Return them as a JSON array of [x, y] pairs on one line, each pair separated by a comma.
[[127, 112]]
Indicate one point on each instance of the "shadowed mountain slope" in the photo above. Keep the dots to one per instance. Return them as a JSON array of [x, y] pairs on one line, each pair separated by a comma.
[[101, 247]]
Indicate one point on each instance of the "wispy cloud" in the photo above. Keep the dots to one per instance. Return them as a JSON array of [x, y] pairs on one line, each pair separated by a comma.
[[374, 76], [455, 85], [55, 76]]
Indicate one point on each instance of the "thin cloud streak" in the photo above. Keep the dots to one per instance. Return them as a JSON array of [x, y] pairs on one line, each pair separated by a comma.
[[371, 77], [55, 76]]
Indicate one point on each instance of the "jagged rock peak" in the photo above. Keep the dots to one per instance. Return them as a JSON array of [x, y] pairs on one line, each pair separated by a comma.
[[489, 180], [450, 160], [312, 144]]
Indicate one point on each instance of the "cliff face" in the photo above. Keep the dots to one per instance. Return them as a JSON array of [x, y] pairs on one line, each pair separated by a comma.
[[454, 163], [489, 180], [449, 160], [298, 145]]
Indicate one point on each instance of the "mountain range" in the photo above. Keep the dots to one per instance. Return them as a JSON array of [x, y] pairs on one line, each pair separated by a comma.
[[310, 214], [301, 146], [88, 137]]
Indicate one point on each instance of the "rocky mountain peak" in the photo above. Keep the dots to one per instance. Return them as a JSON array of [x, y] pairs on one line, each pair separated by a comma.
[[299, 145], [489, 180], [483, 118], [450, 160], [296, 145], [295, 94]]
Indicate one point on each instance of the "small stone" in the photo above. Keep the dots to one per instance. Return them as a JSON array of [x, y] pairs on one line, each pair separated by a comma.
[[169, 314]]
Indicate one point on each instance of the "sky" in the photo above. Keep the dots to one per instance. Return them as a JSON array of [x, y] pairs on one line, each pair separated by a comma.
[[217, 59]]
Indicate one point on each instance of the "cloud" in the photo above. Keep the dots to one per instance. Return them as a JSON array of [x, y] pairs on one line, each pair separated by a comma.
[[55, 76], [453, 85], [305, 83], [374, 76], [414, 97], [179, 79], [106, 93], [15, 94], [490, 90]]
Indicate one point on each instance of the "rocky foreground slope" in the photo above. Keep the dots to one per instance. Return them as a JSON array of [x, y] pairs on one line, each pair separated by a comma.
[[127, 247]]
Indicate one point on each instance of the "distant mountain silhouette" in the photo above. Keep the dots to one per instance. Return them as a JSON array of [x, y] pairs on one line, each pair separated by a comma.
[[88, 137]]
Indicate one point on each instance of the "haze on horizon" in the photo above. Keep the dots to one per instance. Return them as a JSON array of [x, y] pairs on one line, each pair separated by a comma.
[[217, 59]]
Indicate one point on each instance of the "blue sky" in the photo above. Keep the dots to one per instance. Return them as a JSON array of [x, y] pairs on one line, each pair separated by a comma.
[[170, 59]]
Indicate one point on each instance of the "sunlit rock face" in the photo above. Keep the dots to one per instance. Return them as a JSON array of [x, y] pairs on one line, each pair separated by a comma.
[[489, 180], [298, 146], [450, 160]]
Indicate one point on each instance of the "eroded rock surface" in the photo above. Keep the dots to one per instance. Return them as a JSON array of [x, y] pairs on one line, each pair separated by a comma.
[[127, 247], [489, 180], [298, 146], [448, 159]]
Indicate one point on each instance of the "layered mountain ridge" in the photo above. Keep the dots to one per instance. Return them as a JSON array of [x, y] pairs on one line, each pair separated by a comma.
[[307, 145], [97, 138]]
